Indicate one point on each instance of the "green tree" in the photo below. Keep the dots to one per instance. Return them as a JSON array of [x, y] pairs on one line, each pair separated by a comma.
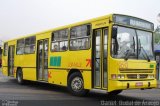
[[157, 35]]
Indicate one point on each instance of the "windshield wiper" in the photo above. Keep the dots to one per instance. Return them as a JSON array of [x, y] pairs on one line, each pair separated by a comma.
[[144, 52], [127, 54]]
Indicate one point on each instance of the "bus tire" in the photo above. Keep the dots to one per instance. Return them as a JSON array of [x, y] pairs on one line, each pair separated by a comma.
[[116, 92], [76, 84], [20, 76]]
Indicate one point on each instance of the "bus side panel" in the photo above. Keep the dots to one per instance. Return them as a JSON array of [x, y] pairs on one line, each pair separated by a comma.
[[58, 76], [28, 64], [5, 71], [60, 63], [29, 74], [87, 79], [5, 65], [28, 60]]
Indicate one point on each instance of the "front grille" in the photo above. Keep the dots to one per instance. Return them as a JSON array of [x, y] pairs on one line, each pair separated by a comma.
[[136, 70], [137, 76], [132, 76], [143, 75]]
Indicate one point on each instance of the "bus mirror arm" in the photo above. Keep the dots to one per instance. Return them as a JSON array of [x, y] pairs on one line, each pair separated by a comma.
[[116, 47], [114, 36], [114, 32]]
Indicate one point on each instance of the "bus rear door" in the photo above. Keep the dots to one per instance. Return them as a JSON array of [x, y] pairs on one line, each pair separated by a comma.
[[42, 60], [11, 60]]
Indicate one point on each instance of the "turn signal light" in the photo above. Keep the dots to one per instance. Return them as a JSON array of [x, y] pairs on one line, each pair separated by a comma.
[[113, 76]]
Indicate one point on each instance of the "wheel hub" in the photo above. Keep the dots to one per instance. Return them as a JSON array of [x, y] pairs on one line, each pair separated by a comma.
[[77, 84]]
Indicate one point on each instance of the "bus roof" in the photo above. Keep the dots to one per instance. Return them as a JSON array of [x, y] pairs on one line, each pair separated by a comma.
[[110, 16]]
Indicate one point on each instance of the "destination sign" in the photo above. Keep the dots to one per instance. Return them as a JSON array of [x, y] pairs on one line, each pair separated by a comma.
[[133, 21]]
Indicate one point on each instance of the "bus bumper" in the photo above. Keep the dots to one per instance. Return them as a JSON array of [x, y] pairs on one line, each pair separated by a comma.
[[123, 85]]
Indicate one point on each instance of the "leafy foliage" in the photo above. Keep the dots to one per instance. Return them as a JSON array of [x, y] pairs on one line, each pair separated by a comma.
[[157, 35]]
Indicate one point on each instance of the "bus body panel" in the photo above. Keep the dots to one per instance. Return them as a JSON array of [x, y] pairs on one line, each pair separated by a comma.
[[71, 60], [122, 85], [29, 74], [5, 71], [58, 76], [100, 23], [130, 67], [87, 77], [80, 60]]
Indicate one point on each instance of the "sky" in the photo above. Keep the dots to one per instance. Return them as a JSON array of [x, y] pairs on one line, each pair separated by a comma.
[[23, 17]]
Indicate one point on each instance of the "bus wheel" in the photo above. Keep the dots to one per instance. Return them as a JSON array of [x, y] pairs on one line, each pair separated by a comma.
[[76, 84], [20, 76], [116, 92]]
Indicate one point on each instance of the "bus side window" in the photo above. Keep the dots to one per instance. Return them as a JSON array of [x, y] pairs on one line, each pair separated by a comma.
[[55, 48], [64, 48], [86, 44], [80, 37], [30, 45], [59, 40], [20, 46], [5, 49]]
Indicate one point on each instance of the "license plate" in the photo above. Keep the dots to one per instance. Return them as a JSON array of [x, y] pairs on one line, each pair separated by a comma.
[[139, 84]]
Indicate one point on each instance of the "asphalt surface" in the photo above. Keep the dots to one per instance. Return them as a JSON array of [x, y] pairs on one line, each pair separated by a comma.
[[42, 94]]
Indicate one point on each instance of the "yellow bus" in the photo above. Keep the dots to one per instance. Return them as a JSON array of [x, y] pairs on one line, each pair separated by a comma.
[[109, 53]]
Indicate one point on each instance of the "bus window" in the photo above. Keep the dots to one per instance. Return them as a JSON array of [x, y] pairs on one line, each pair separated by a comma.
[[30, 45], [80, 37], [20, 46], [60, 40], [5, 49]]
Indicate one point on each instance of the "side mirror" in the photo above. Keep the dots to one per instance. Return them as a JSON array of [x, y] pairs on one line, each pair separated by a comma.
[[114, 32]]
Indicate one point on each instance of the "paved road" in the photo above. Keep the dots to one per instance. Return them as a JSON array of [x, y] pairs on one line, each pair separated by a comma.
[[40, 94]]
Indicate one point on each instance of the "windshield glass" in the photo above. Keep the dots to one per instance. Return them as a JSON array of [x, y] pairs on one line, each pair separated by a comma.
[[124, 44], [145, 44]]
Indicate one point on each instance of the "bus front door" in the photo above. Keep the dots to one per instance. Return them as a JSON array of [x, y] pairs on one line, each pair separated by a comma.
[[11, 61], [42, 60], [100, 58]]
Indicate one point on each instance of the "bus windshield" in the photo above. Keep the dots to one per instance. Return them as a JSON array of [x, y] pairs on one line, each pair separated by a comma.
[[132, 44]]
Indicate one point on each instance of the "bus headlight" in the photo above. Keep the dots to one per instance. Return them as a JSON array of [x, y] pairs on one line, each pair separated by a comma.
[[121, 76], [151, 76]]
